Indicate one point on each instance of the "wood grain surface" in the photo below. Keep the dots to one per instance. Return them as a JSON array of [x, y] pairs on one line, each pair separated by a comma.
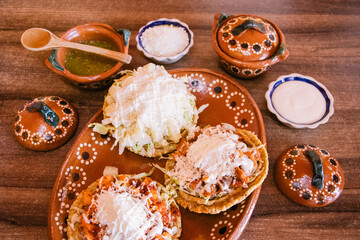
[[323, 40]]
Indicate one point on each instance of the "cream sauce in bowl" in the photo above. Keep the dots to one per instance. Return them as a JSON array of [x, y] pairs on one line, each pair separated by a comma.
[[300, 101]]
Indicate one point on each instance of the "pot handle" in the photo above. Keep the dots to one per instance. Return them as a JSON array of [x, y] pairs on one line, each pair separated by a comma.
[[52, 63], [318, 178], [50, 116], [125, 33], [281, 54], [219, 18], [248, 24]]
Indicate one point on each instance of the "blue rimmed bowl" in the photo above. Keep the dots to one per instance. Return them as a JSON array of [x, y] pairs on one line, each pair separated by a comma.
[[160, 22], [329, 100]]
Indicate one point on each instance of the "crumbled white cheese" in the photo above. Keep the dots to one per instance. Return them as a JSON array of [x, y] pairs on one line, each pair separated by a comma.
[[214, 155], [165, 40], [125, 216]]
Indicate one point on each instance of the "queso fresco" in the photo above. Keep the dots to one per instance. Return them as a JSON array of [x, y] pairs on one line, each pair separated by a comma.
[[87, 64]]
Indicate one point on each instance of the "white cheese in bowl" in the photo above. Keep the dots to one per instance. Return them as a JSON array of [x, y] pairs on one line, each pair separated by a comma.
[[165, 40]]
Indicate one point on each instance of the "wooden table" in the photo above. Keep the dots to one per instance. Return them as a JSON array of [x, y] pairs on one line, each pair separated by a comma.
[[323, 39]]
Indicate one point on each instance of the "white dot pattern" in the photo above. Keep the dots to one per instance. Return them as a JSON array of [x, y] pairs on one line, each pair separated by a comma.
[[95, 142]]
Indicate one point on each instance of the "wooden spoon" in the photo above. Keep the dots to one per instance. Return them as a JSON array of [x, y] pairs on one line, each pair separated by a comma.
[[38, 39]]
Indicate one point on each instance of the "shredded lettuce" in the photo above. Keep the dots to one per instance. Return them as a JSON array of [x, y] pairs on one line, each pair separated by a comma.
[[99, 128], [148, 111], [142, 175]]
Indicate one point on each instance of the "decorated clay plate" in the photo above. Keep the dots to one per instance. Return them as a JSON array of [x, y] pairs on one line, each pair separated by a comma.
[[228, 102]]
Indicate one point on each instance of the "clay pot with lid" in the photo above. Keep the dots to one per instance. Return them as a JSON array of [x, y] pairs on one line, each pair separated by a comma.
[[247, 45]]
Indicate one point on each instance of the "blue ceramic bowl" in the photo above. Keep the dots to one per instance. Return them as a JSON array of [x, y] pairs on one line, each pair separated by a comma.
[[329, 100], [165, 21]]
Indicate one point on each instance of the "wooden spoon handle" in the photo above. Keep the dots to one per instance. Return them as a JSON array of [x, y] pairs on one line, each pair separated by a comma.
[[122, 57]]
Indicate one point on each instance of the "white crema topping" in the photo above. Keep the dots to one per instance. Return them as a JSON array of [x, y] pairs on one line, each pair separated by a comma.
[[149, 106]]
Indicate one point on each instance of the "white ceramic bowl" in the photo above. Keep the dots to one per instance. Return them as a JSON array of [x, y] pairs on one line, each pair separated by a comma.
[[165, 21], [329, 100]]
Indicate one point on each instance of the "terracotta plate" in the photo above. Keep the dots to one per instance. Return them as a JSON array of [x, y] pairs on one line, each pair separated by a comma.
[[228, 102]]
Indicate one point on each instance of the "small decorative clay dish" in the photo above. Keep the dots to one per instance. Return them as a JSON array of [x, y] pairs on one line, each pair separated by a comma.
[[299, 101], [117, 38], [309, 175], [45, 123], [247, 45], [183, 32]]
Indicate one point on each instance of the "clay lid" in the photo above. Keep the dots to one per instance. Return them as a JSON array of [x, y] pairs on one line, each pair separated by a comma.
[[247, 38], [309, 176], [45, 123]]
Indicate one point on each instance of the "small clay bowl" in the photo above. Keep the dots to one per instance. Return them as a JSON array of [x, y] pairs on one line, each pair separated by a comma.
[[45, 123], [247, 45], [91, 31], [160, 22], [309, 175]]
